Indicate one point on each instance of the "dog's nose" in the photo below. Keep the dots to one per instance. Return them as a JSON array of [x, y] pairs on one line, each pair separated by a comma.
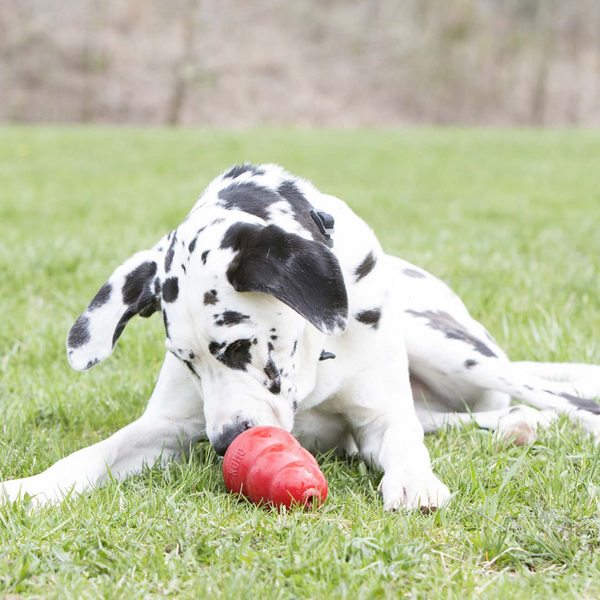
[[229, 433]]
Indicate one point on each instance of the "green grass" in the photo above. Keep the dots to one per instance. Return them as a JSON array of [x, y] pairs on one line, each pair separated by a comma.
[[510, 219]]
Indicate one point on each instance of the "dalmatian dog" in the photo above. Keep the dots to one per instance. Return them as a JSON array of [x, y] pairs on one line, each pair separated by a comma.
[[281, 308]]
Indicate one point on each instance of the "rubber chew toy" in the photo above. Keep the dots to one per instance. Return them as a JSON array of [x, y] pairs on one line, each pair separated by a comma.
[[268, 465]]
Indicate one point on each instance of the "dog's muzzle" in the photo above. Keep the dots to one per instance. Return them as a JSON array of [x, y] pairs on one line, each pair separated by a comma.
[[229, 433]]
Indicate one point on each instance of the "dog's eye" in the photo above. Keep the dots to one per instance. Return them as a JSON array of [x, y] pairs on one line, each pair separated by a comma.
[[237, 355], [236, 348], [237, 345]]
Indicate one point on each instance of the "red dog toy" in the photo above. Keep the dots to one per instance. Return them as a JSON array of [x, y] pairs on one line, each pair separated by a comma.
[[268, 465]]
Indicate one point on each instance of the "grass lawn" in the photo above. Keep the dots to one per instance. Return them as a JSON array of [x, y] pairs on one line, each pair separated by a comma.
[[509, 219]]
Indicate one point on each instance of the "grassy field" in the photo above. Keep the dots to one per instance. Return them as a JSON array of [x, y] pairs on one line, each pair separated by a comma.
[[510, 219]]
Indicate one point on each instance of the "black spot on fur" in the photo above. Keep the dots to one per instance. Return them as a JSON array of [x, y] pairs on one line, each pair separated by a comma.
[[414, 273], [273, 337], [192, 245], [469, 364], [183, 268], [138, 281], [294, 348], [191, 368], [453, 330], [238, 170], [127, 316], [151, 306], [210, 298], [366, 266], [214, 347], [204, 256], [528, 387], [234, 234], [102, 297], [157, 287], [92, 363], [304, 274], [170, 289], [301, 208], [369, 317], [170, 252], [79, 334], [231, 317], [249, 198], [138, 294], [274, 387], [580, 403], [273, 330], [270, 347], [272, 372]]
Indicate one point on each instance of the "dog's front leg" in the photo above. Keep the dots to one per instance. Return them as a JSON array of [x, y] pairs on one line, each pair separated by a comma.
[[390, 437], [171, 424]]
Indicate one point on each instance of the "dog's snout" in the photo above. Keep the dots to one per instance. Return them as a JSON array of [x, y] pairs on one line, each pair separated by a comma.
[[229, 433]]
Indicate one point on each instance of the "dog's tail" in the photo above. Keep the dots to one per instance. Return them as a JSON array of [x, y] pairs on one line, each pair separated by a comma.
[[565, 372], [566, 388]]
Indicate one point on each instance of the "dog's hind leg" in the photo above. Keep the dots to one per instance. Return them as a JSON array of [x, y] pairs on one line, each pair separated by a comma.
[[454, 357], [489, 410], [498, 376], [172, 423], [516, 423], [585, 379], [567, 372], [571, 398]]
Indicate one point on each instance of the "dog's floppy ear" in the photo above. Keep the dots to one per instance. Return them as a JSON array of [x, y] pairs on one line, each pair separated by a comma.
[[304, 274], [131, 290]]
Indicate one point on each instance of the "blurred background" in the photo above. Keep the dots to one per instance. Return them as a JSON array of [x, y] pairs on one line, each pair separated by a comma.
[[338, 63]]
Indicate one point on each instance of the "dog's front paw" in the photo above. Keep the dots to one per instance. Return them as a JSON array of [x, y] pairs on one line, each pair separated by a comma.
[[424, 492], [30, 489]]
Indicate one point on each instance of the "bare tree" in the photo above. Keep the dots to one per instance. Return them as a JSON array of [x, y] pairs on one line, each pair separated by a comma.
[[183, 71]]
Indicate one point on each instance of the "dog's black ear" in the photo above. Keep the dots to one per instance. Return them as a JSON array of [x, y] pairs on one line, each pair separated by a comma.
[[131, 290], [304, 274]]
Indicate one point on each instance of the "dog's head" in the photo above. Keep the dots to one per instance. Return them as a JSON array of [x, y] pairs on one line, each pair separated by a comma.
[[245, 305]]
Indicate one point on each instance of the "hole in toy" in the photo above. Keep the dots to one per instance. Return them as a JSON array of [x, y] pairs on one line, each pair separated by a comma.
[[311, 497]]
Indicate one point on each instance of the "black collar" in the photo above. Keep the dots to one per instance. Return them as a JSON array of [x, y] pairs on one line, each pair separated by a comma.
[[325, 222]]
